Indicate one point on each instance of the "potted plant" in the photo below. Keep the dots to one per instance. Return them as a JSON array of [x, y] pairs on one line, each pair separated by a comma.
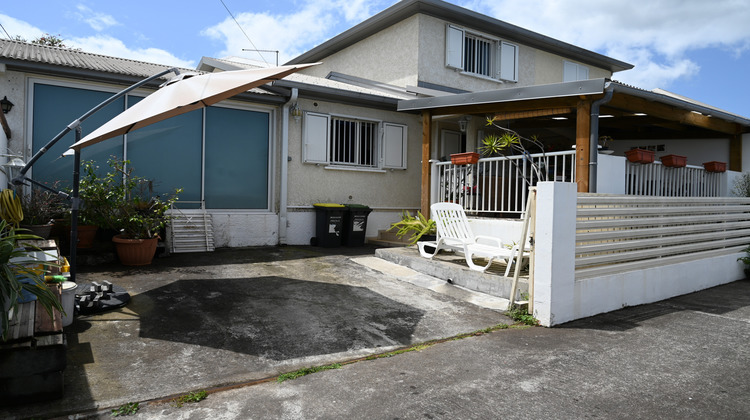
[[418, 226], [40, 208], [715, 166], [746, 261], [638, 155], [15, 276], [138, 213], [674, 161], [468, 158]]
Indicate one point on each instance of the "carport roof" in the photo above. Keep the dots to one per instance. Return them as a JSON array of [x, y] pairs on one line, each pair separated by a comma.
[[563, 96]]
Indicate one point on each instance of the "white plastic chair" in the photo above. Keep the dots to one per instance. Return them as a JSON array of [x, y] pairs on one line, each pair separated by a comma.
[[454, 233]]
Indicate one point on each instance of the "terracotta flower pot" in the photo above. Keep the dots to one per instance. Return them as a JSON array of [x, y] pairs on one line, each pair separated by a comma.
[[86, 236], [640, 155], [715, 166], [674, 161], [135, 251], [468, 158]]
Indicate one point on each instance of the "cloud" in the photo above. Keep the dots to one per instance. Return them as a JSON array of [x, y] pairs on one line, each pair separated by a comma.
[[97, 21], [291, 34], [16, 27], [108, 45], [655, 36]]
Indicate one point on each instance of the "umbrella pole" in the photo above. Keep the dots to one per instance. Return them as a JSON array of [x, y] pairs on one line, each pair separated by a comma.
[[75, 206]]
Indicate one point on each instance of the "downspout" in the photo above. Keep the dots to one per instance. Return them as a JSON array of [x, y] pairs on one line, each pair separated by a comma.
[[594, 135], [283, 193]]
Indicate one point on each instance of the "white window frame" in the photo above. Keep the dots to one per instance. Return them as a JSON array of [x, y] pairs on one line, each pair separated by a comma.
[[573, 72], [502, 61], [389, 150]]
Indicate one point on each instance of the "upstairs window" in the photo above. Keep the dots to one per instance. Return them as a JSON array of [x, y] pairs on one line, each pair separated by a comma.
[[480, 55], [573, 72]]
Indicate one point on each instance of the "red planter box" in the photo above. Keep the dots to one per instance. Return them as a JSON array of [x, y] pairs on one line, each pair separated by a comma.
[[640, 155], [715, 166], [469, 158], [674, 161]]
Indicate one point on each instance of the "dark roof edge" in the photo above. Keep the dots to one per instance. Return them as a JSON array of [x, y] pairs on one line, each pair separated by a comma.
[[458, 15], [347, 97], [556, 90], [54, 70]]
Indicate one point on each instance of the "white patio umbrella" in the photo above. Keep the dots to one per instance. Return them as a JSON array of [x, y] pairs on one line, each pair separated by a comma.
[[184, 96], [169, 101]]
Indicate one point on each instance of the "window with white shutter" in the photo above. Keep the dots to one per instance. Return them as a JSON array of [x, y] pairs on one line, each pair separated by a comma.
[[315, 138], [573, 72], [394, 146], [481, 55]]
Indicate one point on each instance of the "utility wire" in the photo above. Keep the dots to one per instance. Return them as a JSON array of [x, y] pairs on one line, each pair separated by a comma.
[[6, 32], [243, 31]]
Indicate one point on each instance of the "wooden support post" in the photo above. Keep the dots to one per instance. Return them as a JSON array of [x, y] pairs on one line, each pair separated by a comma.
[[735, 153], [583, 147], [426, 140]]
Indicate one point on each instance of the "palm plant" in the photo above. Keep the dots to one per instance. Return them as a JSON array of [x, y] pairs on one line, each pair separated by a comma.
[[416, 225], [16, 276]]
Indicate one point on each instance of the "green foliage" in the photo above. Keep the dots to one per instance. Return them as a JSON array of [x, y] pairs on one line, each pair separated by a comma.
[[493, 145], [192, 397], [123, 201], [415, 225], [41, 206], [521, 315], [306, 371], [741, 187], [746, 259], [126, 409], [13, 272]]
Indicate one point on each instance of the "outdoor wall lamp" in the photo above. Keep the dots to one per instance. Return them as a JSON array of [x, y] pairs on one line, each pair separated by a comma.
[[463, 122], [5, 105], [296, 112]]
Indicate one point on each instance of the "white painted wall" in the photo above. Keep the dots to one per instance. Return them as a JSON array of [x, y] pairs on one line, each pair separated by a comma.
[[554, 257], [610, 174], [559, 297]]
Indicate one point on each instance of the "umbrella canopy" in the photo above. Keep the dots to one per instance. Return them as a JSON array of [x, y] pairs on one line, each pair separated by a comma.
[[184, 96]]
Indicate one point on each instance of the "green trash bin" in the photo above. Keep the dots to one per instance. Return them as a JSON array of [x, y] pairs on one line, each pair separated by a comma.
[[329, 222], [355, 224]]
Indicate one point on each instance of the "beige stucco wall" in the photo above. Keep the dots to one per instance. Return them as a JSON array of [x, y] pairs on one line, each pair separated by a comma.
[[310, 183], [390, 56], [14, 88], [413, 50]]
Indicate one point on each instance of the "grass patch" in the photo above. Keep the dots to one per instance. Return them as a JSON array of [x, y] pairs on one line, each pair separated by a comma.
[[306, 371], [126, 409], [521, 315], [192, 397]]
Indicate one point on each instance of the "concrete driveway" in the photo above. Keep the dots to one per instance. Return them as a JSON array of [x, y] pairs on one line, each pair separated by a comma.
[[200, 321]]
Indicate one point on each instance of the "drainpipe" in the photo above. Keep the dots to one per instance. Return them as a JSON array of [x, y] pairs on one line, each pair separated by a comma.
[[594, 135], [283, 193]]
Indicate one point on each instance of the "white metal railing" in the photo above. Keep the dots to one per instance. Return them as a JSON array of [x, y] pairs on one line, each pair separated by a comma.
[[658, 180], [616, 233], [499, 185]]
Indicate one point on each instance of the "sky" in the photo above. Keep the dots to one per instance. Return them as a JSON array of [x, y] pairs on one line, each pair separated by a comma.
[[695, 48]]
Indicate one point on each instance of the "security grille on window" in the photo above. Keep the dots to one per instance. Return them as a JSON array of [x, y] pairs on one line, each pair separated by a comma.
[[477, 55], [353, 142], [480, 55]]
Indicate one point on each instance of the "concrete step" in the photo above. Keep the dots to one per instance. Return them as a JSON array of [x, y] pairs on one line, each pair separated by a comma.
[[452, 268]]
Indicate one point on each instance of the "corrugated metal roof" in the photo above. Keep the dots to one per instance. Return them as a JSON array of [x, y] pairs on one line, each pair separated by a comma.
[[238, 63], [75, 59], [49, 60]]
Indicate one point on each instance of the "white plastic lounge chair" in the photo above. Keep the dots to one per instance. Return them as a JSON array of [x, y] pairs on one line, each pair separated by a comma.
[[454, 233]]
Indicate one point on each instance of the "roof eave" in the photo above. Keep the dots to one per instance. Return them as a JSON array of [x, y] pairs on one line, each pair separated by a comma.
[[459, 15]]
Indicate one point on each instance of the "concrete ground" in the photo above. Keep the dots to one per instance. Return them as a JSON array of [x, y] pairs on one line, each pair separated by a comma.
[[233, 317]]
